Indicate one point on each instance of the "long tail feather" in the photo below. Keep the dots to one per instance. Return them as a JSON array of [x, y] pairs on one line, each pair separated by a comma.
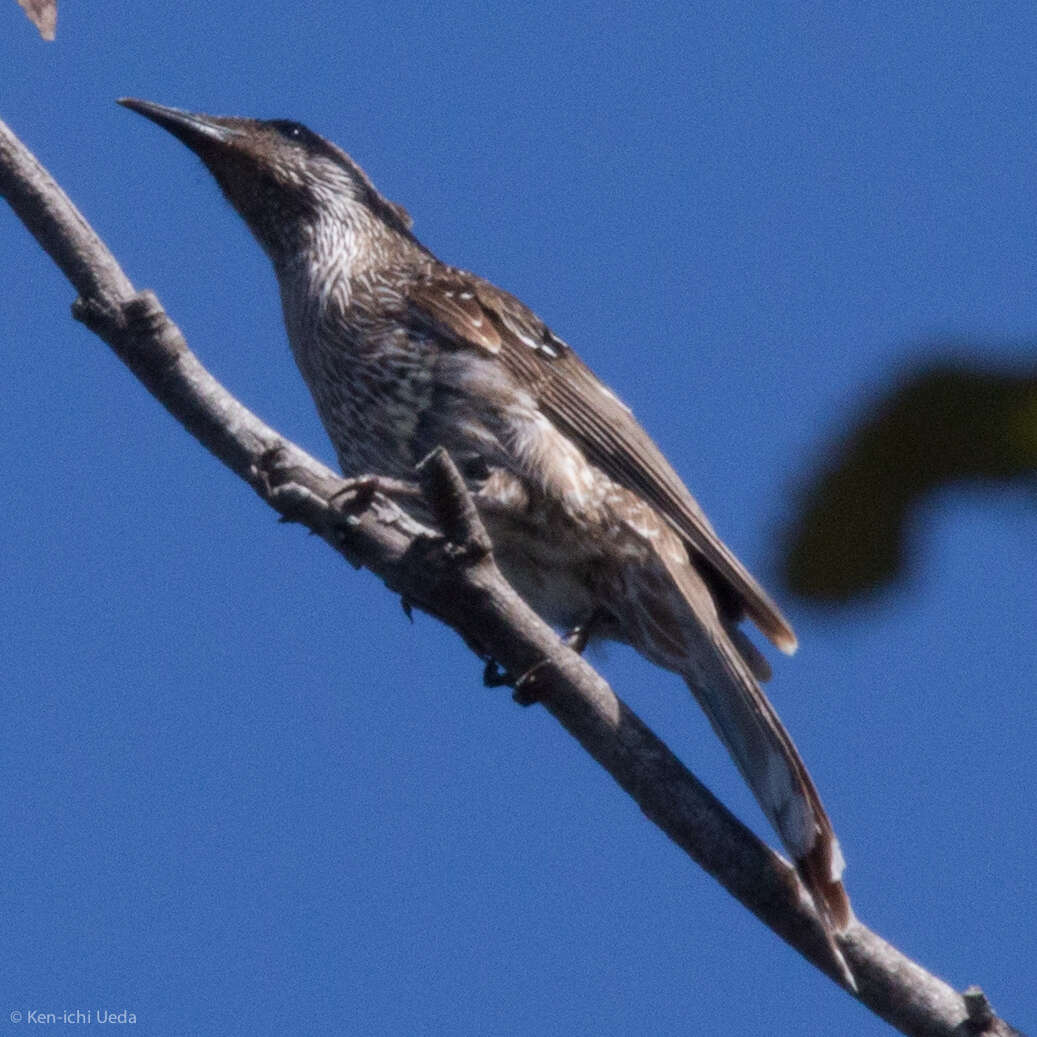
[[746, 722]]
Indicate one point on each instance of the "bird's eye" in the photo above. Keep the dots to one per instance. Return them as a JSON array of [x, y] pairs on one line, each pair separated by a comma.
[[294, 131]]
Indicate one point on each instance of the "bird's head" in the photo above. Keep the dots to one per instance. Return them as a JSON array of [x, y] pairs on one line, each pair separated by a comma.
[[282, 178]]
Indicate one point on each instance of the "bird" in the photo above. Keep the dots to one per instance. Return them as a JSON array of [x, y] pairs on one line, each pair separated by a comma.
[[590, 524]]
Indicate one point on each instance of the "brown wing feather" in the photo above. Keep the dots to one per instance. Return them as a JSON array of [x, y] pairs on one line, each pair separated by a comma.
[[470, 311], [453, 311]]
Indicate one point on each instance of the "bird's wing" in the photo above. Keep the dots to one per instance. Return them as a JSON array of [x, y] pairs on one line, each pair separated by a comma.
[[467, 311]]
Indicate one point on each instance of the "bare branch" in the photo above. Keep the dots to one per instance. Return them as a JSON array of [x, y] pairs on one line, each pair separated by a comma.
[[451, 574], [57, 224]]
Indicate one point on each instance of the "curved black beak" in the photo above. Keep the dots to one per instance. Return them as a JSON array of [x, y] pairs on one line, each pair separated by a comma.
[[193, 128]]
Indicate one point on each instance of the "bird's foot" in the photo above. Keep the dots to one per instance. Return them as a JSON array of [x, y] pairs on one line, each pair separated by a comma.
[[495, 677], [357, 493], [578, 638], [525, 692]]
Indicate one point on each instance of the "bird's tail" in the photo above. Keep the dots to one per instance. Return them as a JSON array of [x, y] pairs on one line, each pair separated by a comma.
[[668, 612], [724, 684]]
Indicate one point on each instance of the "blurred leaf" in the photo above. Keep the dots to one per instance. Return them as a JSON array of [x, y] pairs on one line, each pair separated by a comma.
[[950, 422], [43, 14]]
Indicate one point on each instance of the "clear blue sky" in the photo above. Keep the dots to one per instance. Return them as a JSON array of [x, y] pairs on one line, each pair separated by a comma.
[[241, 793]]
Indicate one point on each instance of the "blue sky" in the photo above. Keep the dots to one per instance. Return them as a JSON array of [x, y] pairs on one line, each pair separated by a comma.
[[242, 794]]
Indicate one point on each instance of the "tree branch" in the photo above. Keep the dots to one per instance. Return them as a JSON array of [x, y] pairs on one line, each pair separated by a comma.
[[451, 574]]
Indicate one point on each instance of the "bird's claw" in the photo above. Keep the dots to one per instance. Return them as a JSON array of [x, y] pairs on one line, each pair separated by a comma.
[[355, 494], [524, 693], [578, 638], [495, 677]]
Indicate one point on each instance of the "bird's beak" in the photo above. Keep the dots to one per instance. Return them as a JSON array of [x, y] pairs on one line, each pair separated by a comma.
[[194, 129]]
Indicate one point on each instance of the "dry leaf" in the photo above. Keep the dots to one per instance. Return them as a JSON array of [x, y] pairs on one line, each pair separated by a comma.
[[43, 14]]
